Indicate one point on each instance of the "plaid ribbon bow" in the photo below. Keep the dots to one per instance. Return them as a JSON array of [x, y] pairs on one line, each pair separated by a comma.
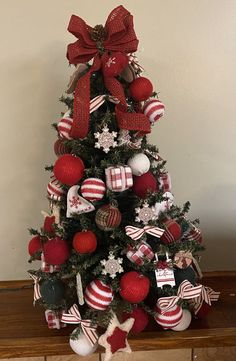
[[136, 233], [37, 293], [186, 291], [74, 317], [207, 295]]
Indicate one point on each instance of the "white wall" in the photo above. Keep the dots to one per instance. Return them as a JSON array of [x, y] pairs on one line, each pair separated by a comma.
[[188, 49]]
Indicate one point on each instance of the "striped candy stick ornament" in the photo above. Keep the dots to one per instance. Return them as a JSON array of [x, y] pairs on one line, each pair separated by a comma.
[[55, 190], [93, 189], [98, 295], [154, 109], [170, 318]]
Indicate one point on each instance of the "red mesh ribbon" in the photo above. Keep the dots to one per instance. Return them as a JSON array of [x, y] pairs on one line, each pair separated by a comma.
[[120, 37]]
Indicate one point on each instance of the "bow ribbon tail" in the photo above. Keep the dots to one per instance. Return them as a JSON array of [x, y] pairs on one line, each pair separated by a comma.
[[81, 107], [132, 121], [37, 293], [73, 317], [207, 295]]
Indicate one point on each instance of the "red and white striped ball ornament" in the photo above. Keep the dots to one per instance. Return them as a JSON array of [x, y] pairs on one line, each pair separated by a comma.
[[93, 189], [64, 125], [170, 318], [98, 295], [55, 190], [154, 109]]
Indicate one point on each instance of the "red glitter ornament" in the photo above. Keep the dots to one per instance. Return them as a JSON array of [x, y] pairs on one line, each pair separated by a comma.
[[172, 232], [141, 89], [134, 287], [85, 242], [56, 251], [68, 169], [143, 184], [114, 64]]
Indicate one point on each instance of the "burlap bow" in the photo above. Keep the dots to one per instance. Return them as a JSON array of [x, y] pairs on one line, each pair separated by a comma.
[[118, 35]]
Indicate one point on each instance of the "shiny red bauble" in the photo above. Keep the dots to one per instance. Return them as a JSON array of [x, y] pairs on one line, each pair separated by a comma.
[[143, 184], [134, 287], [56, 251], [141, 319], [35, 246], [85, 242], [172, 233], [68, 169], [141, 89]]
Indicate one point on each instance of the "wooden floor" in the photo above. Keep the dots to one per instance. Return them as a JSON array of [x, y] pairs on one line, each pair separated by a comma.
[[24, 333]]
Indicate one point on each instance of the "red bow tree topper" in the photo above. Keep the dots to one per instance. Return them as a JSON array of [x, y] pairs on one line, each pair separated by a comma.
[[117, 35]]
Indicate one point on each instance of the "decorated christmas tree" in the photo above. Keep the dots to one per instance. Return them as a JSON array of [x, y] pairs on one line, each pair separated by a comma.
[[115, 250]]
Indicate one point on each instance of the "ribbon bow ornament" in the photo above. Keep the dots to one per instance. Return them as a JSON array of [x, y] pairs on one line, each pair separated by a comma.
[[37, 293], [186, 291], [118, 35], [136, 233], [73, 317], [207, 295]]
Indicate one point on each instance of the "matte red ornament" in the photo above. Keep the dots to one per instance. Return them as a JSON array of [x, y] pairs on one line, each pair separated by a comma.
[[56, 251], [143, 184], [48, 224], [172, 232], [114, 64], [85, 242], [134, 287], [141, 89], [141, 319], [68, 169], [60, 147], [35, 246]]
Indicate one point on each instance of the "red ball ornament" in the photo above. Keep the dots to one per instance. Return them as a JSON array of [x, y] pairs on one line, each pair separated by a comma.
[[56, 251], [143, 184], [68, 169], [141, 89], [114, 64], [108, 217], [60, 147], [85, 242], [93, 189], [134, 287], [172, 233], [141, 319], [203, 311], [98, 295], [49, 221], [35, 246], [170, 318]]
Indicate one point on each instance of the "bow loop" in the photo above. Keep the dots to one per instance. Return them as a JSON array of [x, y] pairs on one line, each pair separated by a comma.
[[136, 233], [73, 317]]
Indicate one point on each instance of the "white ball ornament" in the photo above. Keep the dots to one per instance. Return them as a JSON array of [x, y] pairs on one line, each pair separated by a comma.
[[139, 164], [184, 322], [81, 345]]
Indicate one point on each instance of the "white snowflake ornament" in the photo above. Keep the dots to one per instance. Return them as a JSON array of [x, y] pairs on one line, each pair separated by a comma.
[[145, 213], [112, 265], [105, 139]]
